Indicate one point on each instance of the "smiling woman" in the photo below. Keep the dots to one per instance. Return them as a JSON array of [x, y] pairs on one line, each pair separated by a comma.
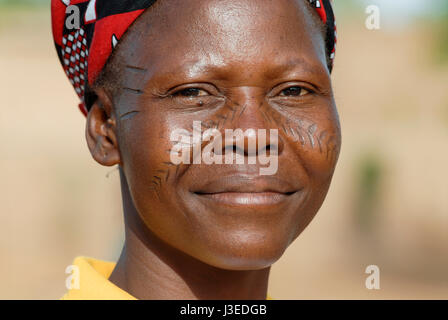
[[197, 230]]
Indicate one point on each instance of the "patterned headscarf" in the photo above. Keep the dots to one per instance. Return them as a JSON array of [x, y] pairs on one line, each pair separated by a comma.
[[84, 49]]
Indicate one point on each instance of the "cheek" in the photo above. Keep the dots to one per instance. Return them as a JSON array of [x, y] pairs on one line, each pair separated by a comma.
[[144, 147], [316, 140], [150, 175]]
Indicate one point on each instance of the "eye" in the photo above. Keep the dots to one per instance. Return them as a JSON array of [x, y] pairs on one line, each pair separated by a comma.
[[190, 93], [295, 91]]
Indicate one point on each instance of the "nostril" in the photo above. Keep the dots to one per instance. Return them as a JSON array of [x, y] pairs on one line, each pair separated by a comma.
[[233, 148], [253, 142], [265, 150], [268, 150]]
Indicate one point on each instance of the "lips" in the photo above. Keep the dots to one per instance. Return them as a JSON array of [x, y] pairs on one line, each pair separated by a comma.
[[246, 190]]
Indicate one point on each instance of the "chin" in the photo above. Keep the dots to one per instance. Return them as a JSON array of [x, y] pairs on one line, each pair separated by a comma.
[[242, 250]]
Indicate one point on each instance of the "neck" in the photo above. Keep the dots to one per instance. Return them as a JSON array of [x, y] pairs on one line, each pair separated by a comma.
[[150, 269]]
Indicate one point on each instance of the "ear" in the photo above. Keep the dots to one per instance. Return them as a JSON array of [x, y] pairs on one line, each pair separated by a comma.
[[101, 131]]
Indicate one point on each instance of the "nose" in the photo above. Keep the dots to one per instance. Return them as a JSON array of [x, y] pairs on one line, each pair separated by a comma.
[[252, 132]]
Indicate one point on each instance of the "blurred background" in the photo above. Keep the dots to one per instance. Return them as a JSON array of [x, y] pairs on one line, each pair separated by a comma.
[[387, 206]]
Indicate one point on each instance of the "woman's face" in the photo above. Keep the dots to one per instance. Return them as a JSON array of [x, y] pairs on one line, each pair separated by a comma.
[[251, 64]]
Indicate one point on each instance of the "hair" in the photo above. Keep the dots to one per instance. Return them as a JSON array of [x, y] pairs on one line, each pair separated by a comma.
[[109, 79]]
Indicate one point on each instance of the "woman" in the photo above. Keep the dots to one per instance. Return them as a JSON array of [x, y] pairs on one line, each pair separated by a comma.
[[145, 69]]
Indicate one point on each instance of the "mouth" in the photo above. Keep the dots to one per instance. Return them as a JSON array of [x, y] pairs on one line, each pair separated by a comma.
[[246, 198], [247, 191]]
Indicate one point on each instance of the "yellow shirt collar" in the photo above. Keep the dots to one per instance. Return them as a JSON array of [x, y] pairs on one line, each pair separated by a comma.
[[94, 283]]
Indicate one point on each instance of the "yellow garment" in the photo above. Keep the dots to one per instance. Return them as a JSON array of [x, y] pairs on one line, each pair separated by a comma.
[[94, 283]]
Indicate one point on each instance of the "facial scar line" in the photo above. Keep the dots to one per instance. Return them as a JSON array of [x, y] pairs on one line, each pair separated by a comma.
[[129, 114], [136, 91], [244, 108], [167, 175], [138, 69], [158, 179]]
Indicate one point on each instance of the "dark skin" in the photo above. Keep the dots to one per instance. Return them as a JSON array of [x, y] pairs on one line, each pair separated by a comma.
[[196, 231]]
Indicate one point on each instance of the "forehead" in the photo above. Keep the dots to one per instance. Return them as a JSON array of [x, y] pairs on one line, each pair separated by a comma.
[[189, 36]]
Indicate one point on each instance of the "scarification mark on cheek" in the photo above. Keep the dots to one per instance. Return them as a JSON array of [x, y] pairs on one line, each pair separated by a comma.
[[264, 116], [311, 130], [306, 132], [328, 146], [219, 116], [293, 132], [156, 184], [332, 149], [321, 137], [300, 132], [289, 130], [158, 180], [272, 119], [277, 122], [209, 124], [284, 129], [228, 106], [167, 175], [242, 110], [156, 190], [235, 103], [233, 114], [156, 187], [222, 120]]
